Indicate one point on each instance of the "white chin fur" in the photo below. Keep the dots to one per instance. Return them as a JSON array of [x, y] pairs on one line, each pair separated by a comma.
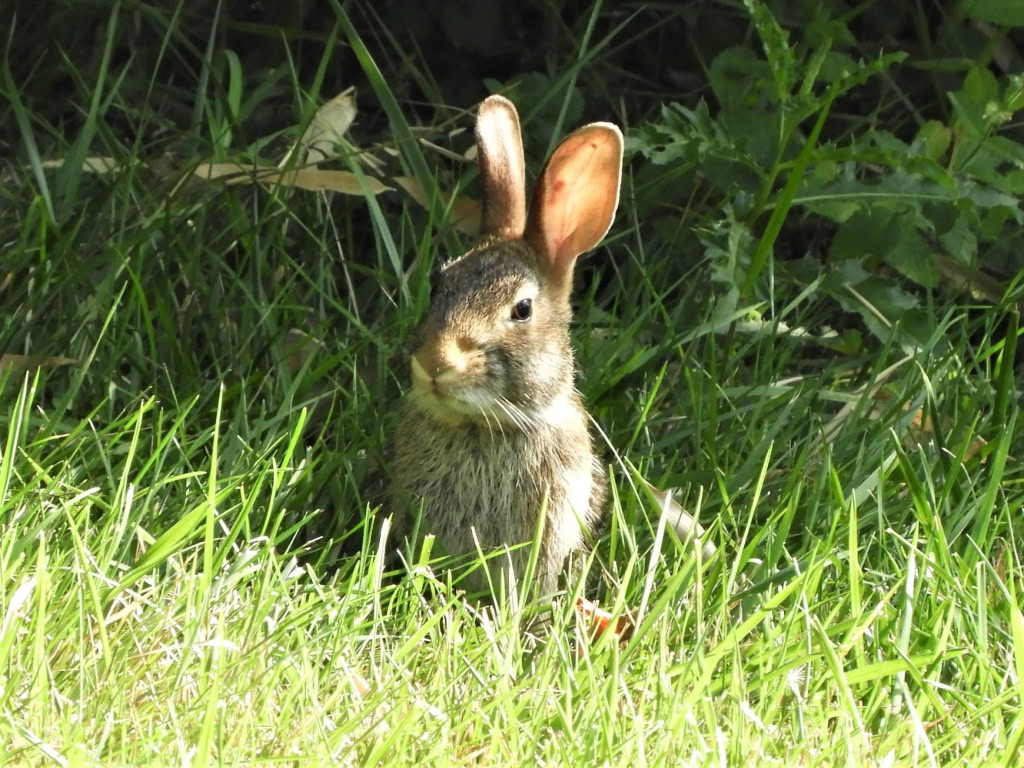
[[480, 407]]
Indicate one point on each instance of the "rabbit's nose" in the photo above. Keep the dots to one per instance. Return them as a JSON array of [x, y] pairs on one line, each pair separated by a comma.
[[440, 361]]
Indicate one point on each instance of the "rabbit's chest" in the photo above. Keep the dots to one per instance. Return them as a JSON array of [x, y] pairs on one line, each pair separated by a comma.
[[476, 487]]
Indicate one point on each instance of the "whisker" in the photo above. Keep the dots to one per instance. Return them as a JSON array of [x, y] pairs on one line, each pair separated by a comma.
[[515, 414], [504, 405], [483, 404], [487, 421], [501, 427], [518, 416], [528, 418], [501, 405]]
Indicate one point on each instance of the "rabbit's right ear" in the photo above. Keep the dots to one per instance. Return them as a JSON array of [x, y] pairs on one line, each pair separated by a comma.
[[499, 147]]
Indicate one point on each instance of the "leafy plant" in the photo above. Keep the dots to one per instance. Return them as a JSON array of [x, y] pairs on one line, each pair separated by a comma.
[[897, 216]]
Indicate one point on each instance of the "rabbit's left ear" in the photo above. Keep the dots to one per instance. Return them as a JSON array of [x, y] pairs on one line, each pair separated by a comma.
[[576, 198], [499, 147]]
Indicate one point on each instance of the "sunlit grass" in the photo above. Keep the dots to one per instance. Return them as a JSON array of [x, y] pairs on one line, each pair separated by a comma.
[[184, 578]]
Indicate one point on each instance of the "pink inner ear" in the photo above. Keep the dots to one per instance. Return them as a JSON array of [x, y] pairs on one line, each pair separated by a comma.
[[576, 196]]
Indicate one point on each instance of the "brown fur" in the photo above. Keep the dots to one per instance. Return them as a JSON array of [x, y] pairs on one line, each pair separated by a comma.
[[493, 427]]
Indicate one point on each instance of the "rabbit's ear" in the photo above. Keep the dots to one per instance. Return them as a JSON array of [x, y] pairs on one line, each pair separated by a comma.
[[499, 147], [576, 198]]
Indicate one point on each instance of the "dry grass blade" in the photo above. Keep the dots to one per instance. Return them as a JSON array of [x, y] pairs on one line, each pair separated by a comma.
[[832, 428], [465, 212], [17, 363], [685, 525], [97, 165], [298, 347], [920, 428], [359, 685], [969, 278], [311, 179]]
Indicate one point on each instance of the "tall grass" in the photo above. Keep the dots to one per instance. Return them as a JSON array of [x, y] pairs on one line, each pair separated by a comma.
[[184, 573]]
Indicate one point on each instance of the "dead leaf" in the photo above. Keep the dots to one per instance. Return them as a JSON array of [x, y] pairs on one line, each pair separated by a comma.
[[298, 347], [969, 278], [465, 215], [593, 621], [19, 363], [832, 428], [312, 179], [682, 522], [922, 428], [320, 140], [97, 165], [358, 683]]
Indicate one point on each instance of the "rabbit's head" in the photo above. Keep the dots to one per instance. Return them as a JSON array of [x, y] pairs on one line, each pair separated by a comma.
[[494, 348]]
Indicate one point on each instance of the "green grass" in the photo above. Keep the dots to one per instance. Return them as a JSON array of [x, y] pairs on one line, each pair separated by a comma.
[[172, 506]]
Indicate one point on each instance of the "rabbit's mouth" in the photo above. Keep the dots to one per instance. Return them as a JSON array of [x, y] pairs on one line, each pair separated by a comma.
[[456, 397], [470, 405], [444, 394], [449, 404]]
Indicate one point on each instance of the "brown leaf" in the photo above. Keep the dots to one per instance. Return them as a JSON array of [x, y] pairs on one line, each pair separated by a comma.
[[965, 277], [922, 428], [320, 140], [312, 179], [298, 347], [359, 685], [465, 215], [593, 621], [18, 363]]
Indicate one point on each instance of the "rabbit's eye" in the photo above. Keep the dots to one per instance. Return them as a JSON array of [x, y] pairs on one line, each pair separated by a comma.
[[522, 310]]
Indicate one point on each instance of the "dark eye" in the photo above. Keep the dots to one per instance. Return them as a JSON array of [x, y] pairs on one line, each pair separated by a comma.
[[522, 310]]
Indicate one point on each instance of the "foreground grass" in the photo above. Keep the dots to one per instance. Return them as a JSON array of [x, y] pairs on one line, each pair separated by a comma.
[[208, 641], [172, 505], [127, 641]]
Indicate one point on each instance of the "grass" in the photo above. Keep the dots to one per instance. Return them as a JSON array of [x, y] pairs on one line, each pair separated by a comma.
[[172, 505]]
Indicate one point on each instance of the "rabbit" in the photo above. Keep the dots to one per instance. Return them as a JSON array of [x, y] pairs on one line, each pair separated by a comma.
[[493, 427]]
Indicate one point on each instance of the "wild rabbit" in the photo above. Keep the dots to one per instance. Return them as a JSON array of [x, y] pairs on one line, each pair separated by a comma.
[[493, 428]]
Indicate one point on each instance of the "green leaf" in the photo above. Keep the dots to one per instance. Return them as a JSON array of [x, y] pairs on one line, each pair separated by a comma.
[[736, 76], [912, 256], [891, 300], [755, 132], [1006, 150], [775, 42], [819, 30], [902, 188], [973, 102], [1009, 13], [969, 116], [994, 220], [867, 233], [837, 65], [1013, 94], [870, 296], [934, 137], [234, 84], [960, 242], [655, 144], [981, 85]]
